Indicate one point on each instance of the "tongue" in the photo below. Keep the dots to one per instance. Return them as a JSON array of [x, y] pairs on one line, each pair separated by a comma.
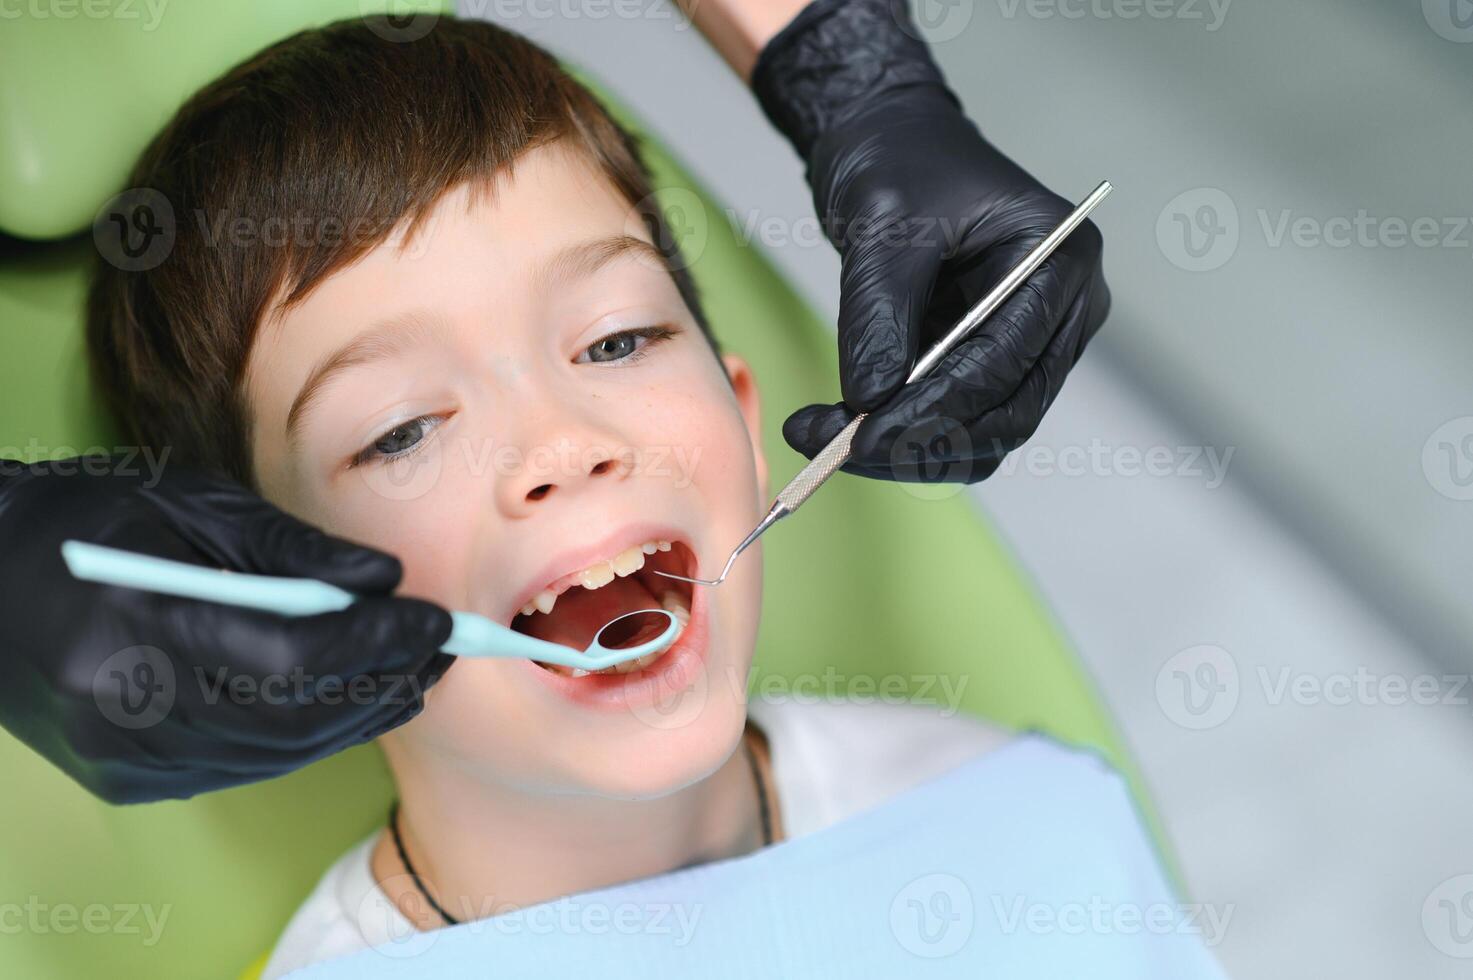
[[580, 613]]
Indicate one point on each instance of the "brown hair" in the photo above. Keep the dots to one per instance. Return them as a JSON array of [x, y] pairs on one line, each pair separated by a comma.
[[344, 123]]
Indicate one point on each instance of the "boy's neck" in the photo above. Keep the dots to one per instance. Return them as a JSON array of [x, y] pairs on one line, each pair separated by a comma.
[[485, 850]]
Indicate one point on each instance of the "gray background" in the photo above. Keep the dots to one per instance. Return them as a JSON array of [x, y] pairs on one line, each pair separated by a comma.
[[1336, 373]]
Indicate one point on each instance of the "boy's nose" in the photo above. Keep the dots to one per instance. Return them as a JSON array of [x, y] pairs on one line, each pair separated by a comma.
[[558, 471]]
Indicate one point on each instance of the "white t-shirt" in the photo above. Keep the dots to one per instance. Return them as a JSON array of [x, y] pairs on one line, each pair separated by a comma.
[[829, 760]]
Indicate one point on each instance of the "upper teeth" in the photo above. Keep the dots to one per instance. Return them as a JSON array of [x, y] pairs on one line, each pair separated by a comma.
[[595, 576]]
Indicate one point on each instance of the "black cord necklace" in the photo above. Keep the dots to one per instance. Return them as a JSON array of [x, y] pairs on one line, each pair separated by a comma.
[[453, 921]]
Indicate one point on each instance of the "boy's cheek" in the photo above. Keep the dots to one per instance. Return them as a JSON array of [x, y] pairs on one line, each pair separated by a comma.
[[427, 551], [705, 446], [473, 712], [424, 527]]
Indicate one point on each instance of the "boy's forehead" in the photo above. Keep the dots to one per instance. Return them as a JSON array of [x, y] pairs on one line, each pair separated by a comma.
[[497, 231], [550, 198], [512, 223]]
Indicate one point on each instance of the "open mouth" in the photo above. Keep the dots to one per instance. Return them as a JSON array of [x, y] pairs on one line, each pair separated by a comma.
[[571, 610]]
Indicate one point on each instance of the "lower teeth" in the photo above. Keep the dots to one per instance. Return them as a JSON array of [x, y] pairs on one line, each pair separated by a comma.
[[672, 603], [627, 667]]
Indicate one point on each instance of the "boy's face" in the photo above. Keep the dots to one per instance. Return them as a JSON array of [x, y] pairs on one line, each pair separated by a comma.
[[492, 427]]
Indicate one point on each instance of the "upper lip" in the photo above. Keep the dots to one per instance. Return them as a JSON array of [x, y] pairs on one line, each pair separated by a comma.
[[577, 559]]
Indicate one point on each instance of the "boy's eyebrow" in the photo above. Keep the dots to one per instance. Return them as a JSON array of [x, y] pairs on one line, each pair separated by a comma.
[[403, 331], [583, 259], [387, 338]]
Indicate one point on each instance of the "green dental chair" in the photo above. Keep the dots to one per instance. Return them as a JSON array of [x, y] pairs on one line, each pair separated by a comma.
[[84, 888]]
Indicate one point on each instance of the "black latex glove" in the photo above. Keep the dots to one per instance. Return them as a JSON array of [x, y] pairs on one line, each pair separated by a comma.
[[121, 688], [927, 216]]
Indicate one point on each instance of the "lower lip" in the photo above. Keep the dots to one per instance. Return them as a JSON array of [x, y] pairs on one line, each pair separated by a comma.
[[675, 671]]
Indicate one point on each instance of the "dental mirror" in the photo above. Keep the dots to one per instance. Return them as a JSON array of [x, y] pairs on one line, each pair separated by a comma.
[[632, 630], [628, 637]]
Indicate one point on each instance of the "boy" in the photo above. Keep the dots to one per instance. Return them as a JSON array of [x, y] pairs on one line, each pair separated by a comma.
[[461, 342]]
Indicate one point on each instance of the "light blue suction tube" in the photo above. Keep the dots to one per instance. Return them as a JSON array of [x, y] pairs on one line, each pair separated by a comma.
[[473, 635]]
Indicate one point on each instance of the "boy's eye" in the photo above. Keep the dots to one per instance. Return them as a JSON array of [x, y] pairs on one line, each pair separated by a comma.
[[625, 345], [613, 348], [399, 440]]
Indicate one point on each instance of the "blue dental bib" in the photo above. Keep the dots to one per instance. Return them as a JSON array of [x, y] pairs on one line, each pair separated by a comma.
[[1025, 862]]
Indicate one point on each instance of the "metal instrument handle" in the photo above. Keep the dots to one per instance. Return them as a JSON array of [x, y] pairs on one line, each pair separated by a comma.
[[820, 467]]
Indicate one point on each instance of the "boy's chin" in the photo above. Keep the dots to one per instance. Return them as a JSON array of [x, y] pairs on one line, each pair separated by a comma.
[[650, 762]]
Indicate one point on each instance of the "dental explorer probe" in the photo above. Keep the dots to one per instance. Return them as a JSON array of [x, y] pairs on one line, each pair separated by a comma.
[[832, 456]]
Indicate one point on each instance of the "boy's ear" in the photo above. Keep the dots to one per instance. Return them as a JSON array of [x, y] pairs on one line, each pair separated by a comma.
[[744, 385]]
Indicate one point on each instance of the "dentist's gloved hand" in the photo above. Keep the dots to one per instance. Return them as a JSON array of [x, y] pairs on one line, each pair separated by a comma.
[[141, 696], [927, 216]]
